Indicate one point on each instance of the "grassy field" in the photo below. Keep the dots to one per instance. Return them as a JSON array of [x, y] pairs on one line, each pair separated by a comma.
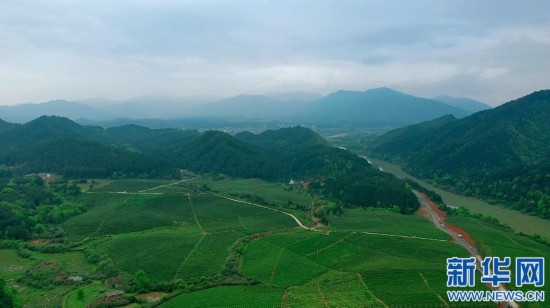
[[384, 221], [13, 267], [90, 292], [520, 222], [131, 185], [274, 192], [333, 289], [120, 213], [216, 214], [208, 256], [159, 252]]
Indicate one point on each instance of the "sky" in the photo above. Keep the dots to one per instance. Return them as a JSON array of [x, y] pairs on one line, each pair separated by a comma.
[[490, 50]]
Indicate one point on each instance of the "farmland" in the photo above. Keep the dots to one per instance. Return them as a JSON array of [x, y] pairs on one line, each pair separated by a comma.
[[200, 248]]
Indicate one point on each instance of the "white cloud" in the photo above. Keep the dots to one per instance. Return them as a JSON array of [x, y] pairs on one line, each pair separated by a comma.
[[66, 49]]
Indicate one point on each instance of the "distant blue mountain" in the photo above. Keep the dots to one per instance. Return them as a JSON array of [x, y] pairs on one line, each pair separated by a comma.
[[377, 107], [463, 102], [27, 112]]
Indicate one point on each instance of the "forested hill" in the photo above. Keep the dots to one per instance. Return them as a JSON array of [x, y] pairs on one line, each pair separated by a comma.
[[499, 154], [58, 145]]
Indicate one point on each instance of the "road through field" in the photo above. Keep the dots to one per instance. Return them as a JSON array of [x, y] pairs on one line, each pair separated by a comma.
[[459, 236], [266, 207], [169, 184]]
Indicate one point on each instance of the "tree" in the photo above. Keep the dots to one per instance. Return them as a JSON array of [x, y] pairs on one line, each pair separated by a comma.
[[7, 295], [80, 294], [142, 280]]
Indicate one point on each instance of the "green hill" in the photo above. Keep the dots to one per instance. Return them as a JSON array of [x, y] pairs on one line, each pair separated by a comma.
[[58, 145], [499, 154], [334, 172]]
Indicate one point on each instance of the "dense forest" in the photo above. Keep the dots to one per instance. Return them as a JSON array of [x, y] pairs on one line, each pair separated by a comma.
[[58, 145], [30, 207], [500, 155]]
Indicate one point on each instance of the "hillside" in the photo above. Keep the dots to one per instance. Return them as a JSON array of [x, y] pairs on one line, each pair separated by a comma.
[[285, 141], [58, 145], [334, 172], [376, 108], [499, 154]]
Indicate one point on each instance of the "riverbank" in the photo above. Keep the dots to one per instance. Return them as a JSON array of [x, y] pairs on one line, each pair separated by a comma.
[[519, 222]]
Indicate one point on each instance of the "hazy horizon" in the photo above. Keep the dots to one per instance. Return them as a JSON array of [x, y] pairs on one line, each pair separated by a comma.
[[494, 51]]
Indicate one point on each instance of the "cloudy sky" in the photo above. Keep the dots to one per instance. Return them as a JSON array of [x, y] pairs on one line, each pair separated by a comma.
[[493, 51]]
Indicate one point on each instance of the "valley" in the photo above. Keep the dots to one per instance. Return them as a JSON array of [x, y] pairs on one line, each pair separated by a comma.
[[281, 154]]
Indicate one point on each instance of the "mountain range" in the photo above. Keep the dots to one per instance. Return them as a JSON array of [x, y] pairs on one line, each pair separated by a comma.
[[380, 107], [499, 154]]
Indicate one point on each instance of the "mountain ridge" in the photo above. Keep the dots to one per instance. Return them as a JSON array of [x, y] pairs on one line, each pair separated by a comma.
[[497, 154]]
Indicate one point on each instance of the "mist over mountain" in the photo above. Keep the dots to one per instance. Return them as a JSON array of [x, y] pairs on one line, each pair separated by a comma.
[[465, 103], [377, 107], [250, 107], [73, 110], [295, 96], [380, 107]]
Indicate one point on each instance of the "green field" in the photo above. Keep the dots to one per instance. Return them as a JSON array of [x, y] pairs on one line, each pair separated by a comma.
[[273, 192], [333, 289], [14, 267], [159, 253], [131, 185], [366, 258], [120, 213], [90, 292], [216, 214], [384, 221], [232, 296]]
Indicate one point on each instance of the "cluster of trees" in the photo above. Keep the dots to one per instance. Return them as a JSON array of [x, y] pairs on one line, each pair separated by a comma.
[[29, 207], [367, 189]]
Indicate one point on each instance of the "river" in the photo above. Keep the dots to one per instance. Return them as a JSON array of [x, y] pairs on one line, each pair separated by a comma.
[[519, 222]]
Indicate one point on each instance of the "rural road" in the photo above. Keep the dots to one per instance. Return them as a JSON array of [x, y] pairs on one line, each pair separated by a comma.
[[430, 207], [169, 184], [266, 207]]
